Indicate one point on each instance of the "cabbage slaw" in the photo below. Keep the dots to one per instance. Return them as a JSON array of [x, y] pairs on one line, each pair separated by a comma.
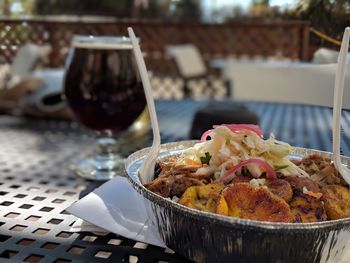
[[234, 146]]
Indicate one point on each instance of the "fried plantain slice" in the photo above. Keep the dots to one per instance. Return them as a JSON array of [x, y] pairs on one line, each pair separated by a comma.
[[298, 184], [336, 200], [306, 208], [257, 203], [281, 188], [203, 198]]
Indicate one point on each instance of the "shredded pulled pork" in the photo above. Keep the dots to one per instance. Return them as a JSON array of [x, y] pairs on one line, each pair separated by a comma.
[[321, 170], [175, 179]]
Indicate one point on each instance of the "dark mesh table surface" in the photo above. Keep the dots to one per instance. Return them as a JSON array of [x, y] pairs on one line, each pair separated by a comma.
[[300, 125], [36, 183]]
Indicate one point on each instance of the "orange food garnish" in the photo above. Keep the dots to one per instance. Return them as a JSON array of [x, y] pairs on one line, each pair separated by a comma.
[[315, 195], [192, 162]]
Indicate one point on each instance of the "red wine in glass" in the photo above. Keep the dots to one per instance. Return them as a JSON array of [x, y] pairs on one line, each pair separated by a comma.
[[104, 91]]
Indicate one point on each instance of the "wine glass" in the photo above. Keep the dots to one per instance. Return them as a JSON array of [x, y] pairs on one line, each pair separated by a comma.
[[104, 91]]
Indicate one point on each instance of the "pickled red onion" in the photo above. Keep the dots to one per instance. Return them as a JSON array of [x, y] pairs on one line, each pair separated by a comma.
[[270, 172], [205, 135], [239, 127]]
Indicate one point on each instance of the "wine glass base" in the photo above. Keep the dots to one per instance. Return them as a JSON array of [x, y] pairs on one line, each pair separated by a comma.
[[99, 170]]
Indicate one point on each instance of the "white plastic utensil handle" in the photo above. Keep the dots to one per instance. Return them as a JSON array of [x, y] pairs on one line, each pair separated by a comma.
[[337, 105], [147, 168]]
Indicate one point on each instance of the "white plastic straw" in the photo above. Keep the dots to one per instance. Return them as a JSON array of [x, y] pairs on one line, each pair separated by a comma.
[[337, 105], [147, 168]]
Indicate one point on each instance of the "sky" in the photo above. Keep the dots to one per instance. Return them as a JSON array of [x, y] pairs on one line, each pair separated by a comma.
[[209, 5], [246, 3]]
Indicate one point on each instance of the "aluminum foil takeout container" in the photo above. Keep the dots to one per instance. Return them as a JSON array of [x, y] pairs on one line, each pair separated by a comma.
[[208, 237]]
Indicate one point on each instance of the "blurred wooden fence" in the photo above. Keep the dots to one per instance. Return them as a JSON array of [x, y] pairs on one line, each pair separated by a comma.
[[289, 39]]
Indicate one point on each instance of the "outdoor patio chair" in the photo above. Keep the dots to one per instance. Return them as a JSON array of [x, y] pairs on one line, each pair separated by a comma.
[[167, 87], [198, 83], [29, 87], [28, 57], [303, 83]]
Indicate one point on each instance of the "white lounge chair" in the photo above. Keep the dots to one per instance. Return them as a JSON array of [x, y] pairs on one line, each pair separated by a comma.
[[198, 83], [25, 62], [304, 83]]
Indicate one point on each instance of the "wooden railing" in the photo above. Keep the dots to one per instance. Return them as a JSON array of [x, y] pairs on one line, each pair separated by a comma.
[[289, 39]]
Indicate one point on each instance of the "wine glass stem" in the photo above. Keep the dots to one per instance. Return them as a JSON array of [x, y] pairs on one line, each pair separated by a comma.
[[107, 145], [107, 159]]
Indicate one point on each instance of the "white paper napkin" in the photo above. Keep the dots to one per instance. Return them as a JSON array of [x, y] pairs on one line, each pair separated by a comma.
[[116, 207], [82, 226]]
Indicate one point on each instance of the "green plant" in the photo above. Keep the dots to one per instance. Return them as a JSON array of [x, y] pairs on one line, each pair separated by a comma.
[[327, 16]]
